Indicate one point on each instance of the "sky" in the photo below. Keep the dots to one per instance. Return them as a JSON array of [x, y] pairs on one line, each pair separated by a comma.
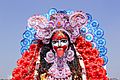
[[13, 21]]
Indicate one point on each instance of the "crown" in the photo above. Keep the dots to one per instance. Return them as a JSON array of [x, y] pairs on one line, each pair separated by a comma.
[[69, 23]]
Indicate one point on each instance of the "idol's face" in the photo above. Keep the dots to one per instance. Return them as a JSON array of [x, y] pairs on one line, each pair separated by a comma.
[[59, 43]]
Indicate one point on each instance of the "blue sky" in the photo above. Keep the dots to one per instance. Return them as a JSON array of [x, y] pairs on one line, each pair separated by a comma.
[[13, 20]]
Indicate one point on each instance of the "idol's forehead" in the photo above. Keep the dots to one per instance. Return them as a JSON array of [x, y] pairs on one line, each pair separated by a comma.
[[58, 35]]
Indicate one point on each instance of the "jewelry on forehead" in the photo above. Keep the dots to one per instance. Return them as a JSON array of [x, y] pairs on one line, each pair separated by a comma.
[[58, 35]]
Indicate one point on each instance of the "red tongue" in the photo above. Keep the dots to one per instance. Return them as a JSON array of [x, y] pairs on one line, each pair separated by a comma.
[[60, 52]]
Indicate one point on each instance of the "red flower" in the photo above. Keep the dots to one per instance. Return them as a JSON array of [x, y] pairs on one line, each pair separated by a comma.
[[96, 75], [86, 62], [92, 59], [81, 51], [100, 61], [20, 61], [87, 53], [26, 63], [88, 68], [80, 39], [25, 54], [88, 44], [16, 73], [24, 72], [95, 52], [89, 75], [102, 71], [33, 47], [94, 67]]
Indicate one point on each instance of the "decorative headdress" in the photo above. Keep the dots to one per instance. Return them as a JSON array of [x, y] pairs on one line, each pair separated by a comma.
[[71, 24]]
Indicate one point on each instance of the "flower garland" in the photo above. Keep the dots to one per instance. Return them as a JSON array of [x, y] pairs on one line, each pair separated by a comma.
[[26, 64], [93, 63]]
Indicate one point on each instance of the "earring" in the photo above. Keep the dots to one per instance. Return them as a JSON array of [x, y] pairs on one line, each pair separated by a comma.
[[70, 55], [49, 57]]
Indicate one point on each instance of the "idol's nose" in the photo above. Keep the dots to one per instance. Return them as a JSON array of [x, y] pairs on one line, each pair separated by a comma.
[[59, 43]]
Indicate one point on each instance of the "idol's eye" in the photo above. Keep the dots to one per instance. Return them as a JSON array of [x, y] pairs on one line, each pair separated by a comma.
[[54, 42], [64, 40]]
